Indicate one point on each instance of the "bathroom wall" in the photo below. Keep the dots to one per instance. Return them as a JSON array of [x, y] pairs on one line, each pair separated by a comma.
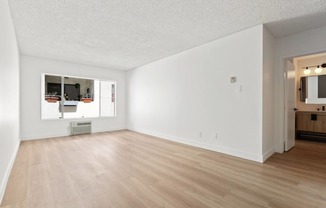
[[300, 63]]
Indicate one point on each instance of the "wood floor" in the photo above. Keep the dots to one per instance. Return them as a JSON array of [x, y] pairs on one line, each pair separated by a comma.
[[125, 169]]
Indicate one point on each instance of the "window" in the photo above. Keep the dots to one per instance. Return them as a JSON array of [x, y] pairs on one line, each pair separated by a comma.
[[75, 97]]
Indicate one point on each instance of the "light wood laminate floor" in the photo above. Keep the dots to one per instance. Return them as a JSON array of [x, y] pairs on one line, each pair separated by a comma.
[[125, 169]]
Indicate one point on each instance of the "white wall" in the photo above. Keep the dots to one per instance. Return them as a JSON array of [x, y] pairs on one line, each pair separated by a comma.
[[268, 94], [9, 103], [32, 127], [304, 43], [180, 96]]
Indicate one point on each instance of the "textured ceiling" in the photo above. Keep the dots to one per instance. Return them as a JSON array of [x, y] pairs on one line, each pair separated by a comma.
[[124, 34]]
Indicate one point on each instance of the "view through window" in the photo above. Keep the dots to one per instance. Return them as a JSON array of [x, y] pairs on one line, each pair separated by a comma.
[[65, 97]]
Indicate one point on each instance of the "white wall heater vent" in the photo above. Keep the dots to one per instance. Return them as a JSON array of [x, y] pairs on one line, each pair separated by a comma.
[[81, 127]]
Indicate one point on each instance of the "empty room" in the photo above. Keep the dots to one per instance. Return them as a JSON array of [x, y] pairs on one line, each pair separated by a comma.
[[176, 104]]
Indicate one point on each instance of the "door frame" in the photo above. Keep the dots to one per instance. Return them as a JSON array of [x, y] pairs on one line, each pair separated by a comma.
[[286, 107], [279, 93]]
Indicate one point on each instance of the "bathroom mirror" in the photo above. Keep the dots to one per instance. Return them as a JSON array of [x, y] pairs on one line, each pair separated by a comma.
[[313, 89]]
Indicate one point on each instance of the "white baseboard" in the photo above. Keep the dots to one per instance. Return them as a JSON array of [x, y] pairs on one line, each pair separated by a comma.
[[42, 136], [269, 153], [7, 173], [52, 135], [213, 147]]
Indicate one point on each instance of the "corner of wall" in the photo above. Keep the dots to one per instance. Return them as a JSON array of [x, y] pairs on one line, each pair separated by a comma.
[[268, 154], [268, 134]]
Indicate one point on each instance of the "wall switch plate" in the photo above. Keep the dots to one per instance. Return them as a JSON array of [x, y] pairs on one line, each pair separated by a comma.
[[233, 79], [239, 89]]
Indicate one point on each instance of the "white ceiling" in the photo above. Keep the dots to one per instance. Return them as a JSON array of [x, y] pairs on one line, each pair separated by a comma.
[[124, 34]]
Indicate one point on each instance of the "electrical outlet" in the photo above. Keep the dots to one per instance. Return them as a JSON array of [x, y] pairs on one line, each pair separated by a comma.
[[200, 134], [216, 136]]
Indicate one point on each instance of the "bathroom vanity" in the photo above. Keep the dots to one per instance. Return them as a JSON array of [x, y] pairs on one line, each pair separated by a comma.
[[311, 125]]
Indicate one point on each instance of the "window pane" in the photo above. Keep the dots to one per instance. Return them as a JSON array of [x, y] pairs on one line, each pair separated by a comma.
[[73, 97], [81, 98], [51, 96]]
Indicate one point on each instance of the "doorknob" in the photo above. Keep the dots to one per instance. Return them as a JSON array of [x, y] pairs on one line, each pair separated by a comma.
[[295, 109]]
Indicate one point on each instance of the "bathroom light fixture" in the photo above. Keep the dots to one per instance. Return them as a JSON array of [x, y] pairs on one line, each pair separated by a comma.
[[307, 71], [318, 69]]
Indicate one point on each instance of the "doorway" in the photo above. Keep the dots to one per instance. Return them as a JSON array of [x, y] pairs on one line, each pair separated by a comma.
[[298, 104]]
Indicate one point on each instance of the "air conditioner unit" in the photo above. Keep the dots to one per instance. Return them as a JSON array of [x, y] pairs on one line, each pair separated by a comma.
[[81, 127]]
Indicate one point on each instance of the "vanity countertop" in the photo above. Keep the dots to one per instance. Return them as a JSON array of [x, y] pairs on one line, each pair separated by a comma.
[[317, 112]]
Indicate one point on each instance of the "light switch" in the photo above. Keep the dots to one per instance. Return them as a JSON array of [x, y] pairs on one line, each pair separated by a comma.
[[239, 89]]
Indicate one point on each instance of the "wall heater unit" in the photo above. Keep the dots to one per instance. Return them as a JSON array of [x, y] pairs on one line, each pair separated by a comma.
[[81, 127]]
